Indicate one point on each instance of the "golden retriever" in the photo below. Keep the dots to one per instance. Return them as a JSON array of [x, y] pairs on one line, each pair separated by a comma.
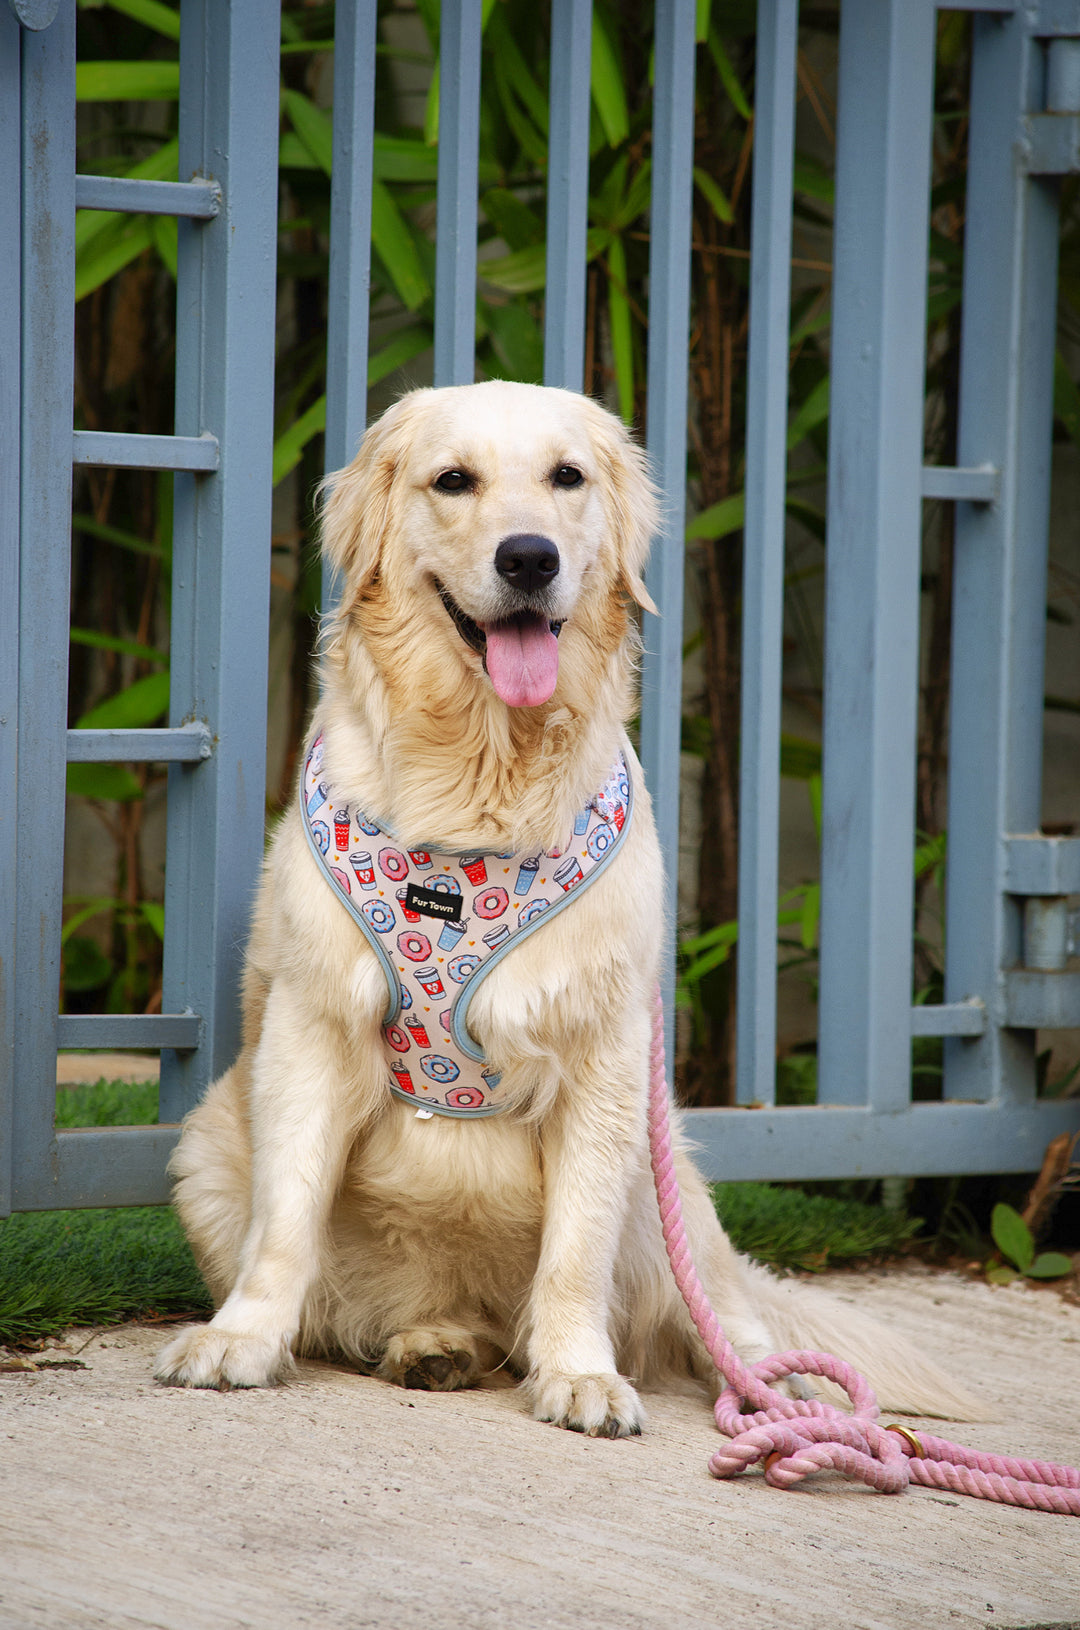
[[478, 676]]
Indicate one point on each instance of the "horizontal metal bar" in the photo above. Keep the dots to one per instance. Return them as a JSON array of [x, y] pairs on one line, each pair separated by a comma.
[[102, 1166], [976, 486], [138, 1031], [1051, 144], [129, 452], [1052, 18], [949, 1019], [1005, 6], [195, 200], [1038, 865], [185, 744], [1038, 1000], [826, 1141]]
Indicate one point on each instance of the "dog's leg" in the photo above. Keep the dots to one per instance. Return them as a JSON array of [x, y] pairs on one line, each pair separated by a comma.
[[302, 1121], [589, 1153]]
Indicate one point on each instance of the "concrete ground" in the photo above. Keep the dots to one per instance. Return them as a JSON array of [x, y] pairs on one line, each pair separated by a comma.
[[341, 1501]]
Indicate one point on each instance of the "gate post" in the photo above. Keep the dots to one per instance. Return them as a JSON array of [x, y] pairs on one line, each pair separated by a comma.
[[221, 538]]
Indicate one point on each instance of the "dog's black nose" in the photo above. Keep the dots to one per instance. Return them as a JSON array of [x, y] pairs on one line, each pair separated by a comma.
[[526, 561]]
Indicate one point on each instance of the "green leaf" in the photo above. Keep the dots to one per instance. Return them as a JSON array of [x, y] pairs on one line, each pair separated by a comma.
[[113, 534], [702, 13], [533, 143], [999, 1274], [517, 225], [84, 965], [112, 783], [406, 344], [154, 915], [140, 705], [813, 789], [518, 342], [405, 158], [811, 413], [397, 251], [516, 73], [728, 77], [1050, 1265], [799, 758], [813, 179], [714, 195], [110, 255], [160, 166], [164, 238], [1066, 398], [289, 446], [809, 916], [608, 90], [314, 127], [719, 520], [1012, 1236], [127, 81], [110, 642], [622, 339], [152, 14]]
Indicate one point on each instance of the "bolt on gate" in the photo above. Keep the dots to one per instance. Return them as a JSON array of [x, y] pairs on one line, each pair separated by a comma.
[[1008, 920]]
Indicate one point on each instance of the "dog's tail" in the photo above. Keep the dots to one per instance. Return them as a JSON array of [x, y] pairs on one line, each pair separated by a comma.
[[905, 1381]]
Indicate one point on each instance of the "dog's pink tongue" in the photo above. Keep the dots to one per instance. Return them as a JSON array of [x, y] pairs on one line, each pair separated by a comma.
[[522, 661]]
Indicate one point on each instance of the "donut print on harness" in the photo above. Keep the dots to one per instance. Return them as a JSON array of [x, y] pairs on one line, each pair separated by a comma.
[[416, 947], [460, 967], [442, 1070], [465, 1098], [321, 833], [397, 1038], [600, 841], [490, 903], [392, 864], [446, 885], [339, 877], [378, 915], [533, 909]]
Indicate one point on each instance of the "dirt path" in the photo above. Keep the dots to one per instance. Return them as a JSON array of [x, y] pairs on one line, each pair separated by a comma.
[[343, 1502]]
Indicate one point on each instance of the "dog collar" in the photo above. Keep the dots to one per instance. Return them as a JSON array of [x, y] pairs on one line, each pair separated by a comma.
[[439, 922]]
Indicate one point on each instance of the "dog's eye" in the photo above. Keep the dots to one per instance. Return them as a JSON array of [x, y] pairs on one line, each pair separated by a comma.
[[453, 481], [567, 476]]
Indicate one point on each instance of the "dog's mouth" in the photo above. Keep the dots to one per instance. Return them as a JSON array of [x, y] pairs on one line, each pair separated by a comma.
[[520, 653]]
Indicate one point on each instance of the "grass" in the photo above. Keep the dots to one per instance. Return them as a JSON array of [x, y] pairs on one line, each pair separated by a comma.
[[59, 1268]]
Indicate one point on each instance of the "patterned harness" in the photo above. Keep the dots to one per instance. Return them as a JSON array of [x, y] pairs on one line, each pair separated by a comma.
[[439, 922]]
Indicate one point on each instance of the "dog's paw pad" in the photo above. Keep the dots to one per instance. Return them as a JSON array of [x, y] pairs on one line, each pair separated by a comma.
[[600, 1406], [431, 1374], [431, 1361]]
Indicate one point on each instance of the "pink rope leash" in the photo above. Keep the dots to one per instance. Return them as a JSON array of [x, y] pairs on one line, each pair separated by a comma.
[[795, 1438]]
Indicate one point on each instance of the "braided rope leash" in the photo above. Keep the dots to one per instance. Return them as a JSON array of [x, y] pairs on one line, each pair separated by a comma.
[[796, 1437]]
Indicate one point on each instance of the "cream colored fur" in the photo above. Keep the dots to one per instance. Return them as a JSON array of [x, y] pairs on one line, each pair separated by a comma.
[[327, 1218]]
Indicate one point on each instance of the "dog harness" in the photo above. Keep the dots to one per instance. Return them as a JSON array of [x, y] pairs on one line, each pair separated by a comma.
[[439, 922]]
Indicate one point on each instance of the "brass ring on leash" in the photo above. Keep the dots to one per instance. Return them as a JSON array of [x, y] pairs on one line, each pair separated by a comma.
[[916, 1446]]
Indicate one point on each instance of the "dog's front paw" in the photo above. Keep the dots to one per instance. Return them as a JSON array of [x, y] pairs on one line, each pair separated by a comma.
[[207, 1356], [603, 1406]]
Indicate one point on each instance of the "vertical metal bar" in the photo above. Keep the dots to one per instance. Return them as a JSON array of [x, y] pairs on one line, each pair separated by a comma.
[[47, 369], [221, 544], [350, 241], [669, 326], [763, 551], [10, 211], [872, 561], [999, 597], [568, 194], [455, 228]]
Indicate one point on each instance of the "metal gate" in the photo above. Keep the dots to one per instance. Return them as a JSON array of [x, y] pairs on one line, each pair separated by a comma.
[[1007, 957]]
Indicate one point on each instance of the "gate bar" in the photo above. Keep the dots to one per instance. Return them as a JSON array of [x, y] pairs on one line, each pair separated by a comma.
[[124, 450], [10, 200], [568, 194], [229, 89], [199, 200], [873, 555], [48, 338], [763, 548], [456, 210], [349, 293], [186, 744], [999, 592], [668, 368]]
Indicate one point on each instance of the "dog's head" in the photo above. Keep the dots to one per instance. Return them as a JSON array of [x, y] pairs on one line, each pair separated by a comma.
[[503, 511]]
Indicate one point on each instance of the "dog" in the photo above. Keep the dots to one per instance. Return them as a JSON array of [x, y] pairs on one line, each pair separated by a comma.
[[478, 676]]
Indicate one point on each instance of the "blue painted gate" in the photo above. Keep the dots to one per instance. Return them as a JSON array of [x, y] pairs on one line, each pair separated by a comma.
[[1008, 922]]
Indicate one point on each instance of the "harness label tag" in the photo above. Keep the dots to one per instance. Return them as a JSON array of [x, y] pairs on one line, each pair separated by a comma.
[[433, 903]]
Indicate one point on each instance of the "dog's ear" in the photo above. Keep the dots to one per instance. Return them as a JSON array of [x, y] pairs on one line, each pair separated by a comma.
[[631, 498], [356, 511]]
